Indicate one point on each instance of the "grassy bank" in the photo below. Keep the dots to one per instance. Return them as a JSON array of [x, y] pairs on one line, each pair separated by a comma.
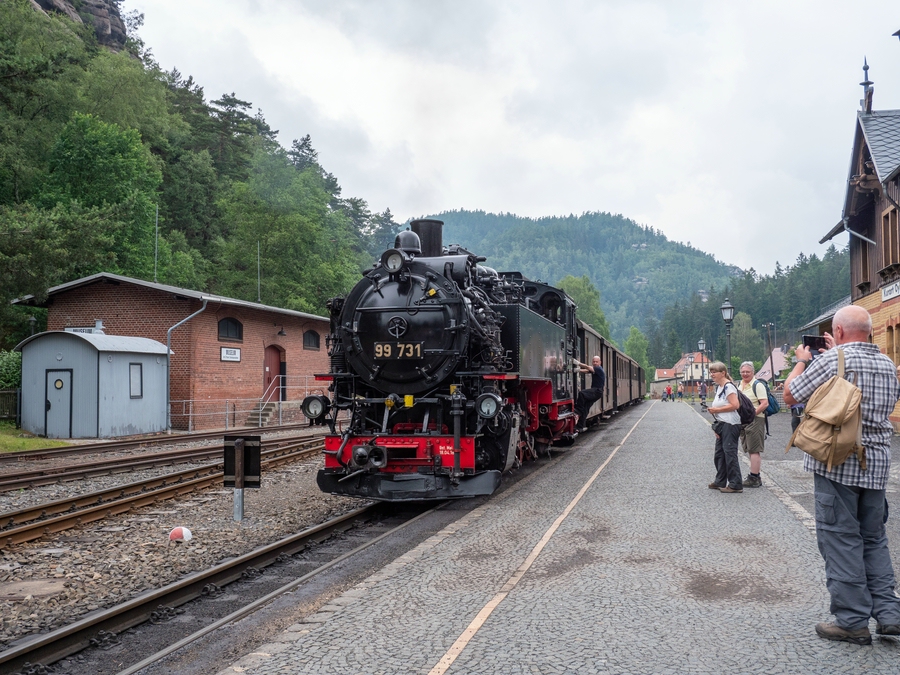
[[16, 440]]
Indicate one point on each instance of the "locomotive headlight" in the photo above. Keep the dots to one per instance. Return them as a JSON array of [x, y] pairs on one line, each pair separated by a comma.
[[392, 260], [315, 407], [488, 405]]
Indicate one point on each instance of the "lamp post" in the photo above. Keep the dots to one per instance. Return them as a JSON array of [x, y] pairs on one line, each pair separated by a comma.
[[701, 345], [691, 378], [727, 316]]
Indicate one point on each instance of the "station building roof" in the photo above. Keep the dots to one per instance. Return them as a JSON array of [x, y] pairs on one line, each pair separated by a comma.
[[174, 290]]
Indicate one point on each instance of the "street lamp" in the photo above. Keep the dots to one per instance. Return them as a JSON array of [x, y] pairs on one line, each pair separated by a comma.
[[727, 316], [691, 378], [702, 346]]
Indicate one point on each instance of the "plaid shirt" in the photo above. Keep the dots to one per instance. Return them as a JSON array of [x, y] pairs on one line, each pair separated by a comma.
[[876, 376]]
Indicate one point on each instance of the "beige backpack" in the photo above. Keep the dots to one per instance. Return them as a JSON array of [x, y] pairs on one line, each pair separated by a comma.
[[831, 427]]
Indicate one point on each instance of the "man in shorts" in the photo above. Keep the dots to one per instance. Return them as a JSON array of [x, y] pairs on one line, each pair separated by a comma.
[[753, 435]]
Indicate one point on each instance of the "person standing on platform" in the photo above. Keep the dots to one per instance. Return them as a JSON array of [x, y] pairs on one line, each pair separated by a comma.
[[703, 392], [587, 397], [669, 396], [851, 508], [680, 391], [727, 427], [753, 436]]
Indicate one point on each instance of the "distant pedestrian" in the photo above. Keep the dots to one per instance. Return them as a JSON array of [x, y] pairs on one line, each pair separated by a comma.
[[669, 392], [703, 392], [851, 508], [753, 435], [680, 391], [727, 428]]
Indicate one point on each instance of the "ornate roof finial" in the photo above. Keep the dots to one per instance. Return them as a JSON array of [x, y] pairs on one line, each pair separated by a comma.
[[866, 101]]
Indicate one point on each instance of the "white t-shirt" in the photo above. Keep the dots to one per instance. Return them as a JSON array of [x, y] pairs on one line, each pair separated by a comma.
[[721, 399]]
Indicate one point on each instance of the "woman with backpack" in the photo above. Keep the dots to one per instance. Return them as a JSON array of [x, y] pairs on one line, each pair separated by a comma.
[[727, 427]]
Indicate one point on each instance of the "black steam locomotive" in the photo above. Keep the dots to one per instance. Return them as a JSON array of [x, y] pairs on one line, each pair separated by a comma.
[[449, 374]]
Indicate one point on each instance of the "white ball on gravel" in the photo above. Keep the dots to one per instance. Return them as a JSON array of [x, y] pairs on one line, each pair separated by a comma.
[[180, 534]]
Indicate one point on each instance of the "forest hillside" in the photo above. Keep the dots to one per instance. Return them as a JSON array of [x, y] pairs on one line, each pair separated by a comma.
[[110, 163]]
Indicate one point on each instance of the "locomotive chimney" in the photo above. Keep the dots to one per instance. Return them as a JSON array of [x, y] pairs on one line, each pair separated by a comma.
[[430, 234]]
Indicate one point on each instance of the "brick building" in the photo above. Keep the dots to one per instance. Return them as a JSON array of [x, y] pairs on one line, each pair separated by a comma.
[[232, 361], [871, 216]]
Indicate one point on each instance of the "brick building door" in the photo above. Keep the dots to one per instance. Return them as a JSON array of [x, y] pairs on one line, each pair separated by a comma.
[[271, 372]]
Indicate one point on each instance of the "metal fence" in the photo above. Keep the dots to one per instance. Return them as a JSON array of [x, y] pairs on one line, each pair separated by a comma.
[[279, 405], [9, 404]]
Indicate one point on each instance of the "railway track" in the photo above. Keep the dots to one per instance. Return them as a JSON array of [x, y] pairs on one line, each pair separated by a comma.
[[109, 446], [48, 648], [61, 473], [34, 522]]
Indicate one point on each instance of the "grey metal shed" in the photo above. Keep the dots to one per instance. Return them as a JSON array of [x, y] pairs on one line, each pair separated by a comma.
[[90, 385]]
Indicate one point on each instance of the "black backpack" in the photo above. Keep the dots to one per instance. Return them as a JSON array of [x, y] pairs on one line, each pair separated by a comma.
[[746, 409]]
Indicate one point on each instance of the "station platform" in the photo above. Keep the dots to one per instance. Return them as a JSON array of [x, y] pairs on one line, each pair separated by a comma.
[[614, 558]]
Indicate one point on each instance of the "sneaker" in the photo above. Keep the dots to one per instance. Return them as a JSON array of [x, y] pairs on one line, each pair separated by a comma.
[[715, 486], [887, 628], [752, 481], [729, 490], [831, 631]]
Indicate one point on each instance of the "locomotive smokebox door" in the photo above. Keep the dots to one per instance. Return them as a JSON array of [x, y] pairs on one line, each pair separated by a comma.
[[252, 472]]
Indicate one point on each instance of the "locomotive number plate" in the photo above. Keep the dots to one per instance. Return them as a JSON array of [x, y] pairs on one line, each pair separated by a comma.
[[398, 350]]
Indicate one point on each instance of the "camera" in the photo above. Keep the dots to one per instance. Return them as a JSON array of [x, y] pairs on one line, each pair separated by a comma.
[[816, 344]]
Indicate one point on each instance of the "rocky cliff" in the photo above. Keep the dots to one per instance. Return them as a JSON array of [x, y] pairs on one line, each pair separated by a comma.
[[103, 15]]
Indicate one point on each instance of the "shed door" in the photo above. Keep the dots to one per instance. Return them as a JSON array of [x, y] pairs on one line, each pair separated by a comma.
[[58, 407], [271, 372]]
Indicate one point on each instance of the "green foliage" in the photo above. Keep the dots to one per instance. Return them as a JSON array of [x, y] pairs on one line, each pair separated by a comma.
[[636, 269], [10, 370], [787, 299], [636, 347], [587, 298]]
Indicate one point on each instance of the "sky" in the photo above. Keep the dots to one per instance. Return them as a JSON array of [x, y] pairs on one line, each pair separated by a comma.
[[724, 124]]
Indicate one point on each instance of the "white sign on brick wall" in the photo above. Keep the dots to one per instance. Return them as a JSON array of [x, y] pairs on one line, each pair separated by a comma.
[[231, 354], [891, 291]]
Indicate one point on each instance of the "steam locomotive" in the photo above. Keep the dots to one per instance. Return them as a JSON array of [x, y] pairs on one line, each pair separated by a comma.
[[445, 373]]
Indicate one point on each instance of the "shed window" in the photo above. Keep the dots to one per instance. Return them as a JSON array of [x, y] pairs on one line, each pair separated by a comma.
[[231, 329], [136, 380], [310, 340]]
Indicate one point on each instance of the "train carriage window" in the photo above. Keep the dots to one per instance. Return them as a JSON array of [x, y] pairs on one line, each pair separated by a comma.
[[231, 329], [310, 340]]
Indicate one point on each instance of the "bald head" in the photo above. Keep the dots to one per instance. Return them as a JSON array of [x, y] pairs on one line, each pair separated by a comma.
[[851, 324]]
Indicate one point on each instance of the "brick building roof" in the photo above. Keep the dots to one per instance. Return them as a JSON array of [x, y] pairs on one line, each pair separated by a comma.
[[174, 290]]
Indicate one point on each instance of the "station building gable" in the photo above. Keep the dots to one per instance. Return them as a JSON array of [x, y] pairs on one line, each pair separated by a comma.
[[871, 217]]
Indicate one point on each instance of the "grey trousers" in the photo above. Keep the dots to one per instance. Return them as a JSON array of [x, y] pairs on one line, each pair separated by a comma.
[[725, 457], [852, 540]]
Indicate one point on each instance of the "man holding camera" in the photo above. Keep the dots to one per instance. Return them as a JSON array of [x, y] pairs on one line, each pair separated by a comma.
[[851, 508]]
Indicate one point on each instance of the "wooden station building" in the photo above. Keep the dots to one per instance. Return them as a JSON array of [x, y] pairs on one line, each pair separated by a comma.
[[871, 216]]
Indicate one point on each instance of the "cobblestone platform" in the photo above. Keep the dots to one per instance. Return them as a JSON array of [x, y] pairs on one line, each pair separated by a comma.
[[648, 572]]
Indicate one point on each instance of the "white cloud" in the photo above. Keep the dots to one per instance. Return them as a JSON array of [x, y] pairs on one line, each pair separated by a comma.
[[728, 125]]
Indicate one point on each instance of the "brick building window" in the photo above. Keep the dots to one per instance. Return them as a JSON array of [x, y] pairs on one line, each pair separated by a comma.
[[231, 329], [310, 340]]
